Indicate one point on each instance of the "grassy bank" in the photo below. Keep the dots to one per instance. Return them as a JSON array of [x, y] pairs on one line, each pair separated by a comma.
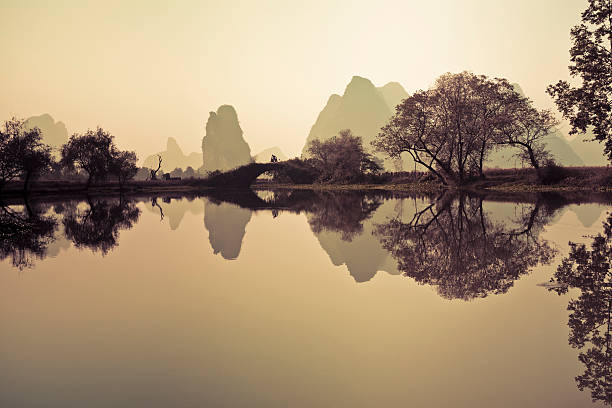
[[561, 179]]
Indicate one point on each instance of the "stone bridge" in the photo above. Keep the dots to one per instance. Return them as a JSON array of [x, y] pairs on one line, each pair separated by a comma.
[[244, 176]]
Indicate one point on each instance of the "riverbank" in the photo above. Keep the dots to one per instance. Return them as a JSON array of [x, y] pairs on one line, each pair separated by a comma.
[[561, 179]]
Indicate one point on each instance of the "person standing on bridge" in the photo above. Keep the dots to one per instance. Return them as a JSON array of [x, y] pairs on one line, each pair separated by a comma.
[[273, 159]]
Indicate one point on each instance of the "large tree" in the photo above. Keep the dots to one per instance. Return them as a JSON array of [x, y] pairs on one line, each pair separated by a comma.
[[22, 153], [95, 153], [590, 104], [451, 128]]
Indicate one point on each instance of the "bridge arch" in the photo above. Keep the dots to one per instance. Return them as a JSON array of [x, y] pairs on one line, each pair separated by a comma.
[[244, 176]]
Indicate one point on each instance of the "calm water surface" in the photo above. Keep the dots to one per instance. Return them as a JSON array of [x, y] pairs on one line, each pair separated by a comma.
[[300, 299]]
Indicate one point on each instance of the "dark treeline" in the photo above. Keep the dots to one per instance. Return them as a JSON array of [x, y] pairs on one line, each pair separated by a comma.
[[27, 229], [23, 155]]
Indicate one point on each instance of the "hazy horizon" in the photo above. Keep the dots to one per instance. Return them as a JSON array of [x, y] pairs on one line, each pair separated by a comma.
[[148, 71]]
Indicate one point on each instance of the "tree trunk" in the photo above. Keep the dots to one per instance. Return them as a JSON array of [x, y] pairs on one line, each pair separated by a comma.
[[534, 163], [26, 181]]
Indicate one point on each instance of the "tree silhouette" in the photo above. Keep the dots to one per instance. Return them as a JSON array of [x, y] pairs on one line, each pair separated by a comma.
[[95, 153], [590, 104], [590, 314], [451, 128], [97, 227], [453, 245], [22, 152]]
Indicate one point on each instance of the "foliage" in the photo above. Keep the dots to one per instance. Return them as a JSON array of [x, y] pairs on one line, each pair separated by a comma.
[[342, 159], [590, 314], [451, 128], [526, 128], [22, 152], [95, 152], [123, 165], [590, 104]]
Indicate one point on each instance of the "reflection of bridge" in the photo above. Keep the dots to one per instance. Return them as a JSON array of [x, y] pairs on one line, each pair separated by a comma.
[[244, 176]]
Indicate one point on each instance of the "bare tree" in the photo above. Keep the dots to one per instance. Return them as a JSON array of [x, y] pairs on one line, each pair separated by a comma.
[[154, 172]]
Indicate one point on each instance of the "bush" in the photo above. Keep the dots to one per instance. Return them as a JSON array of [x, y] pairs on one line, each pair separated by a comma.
[[552, 173]]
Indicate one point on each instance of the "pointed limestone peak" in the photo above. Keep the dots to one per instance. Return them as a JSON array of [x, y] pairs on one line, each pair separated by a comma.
[[172, 146], [358, 85]]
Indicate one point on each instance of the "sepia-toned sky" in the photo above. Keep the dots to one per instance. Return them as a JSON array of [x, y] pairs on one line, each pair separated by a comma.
[[147, 70]]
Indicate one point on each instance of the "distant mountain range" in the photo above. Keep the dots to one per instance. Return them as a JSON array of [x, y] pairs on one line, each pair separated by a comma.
[[174, 157], [53, 133], [364, 109]]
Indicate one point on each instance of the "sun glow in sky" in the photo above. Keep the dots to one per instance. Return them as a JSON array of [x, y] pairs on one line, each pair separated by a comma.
[[147, 70]]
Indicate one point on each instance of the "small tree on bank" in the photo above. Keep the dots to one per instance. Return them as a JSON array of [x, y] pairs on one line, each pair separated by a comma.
[[342, 158], [526, 130], [123, 166]]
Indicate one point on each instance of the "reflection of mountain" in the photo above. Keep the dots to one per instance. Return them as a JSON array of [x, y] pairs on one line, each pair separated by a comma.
[[53, 133], [363, 108], [174, 157], [175, 208], [587, 213], [226, 225], [363, 254], [223, 147]]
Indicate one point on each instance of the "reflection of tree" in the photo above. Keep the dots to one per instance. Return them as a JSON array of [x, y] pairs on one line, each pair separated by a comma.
[[589, 320], [24, 235], [341, 212], [97, 228], [452, 244]]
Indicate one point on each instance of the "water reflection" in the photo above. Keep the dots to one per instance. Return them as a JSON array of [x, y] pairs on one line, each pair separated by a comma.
[[226, 225], [25, 234], [588, 270], [454, 245], [97, 226]]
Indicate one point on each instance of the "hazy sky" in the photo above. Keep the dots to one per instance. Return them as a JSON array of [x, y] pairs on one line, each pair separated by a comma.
[[146, 70]]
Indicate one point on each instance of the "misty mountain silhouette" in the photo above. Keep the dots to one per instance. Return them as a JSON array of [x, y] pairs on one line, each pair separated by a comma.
[[226, 225], [363, 108], [265, 155], [174, 157], [591, 152], [175, 208], [53, 133], [223, 147]]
